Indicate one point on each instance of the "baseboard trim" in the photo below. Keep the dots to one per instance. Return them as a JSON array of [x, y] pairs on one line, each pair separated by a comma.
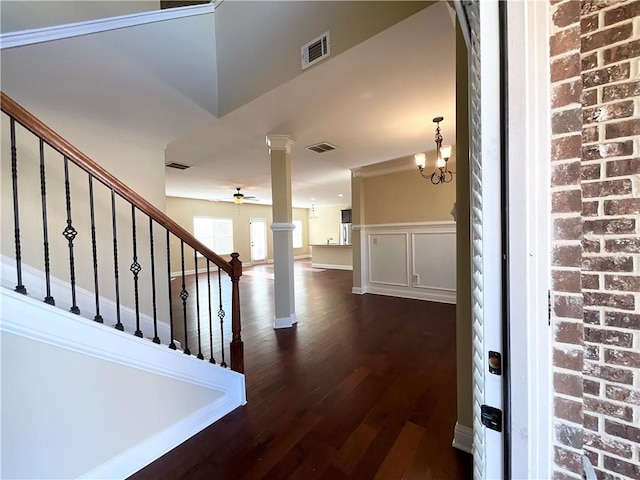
[[358, 290], [427, 295], [129, 462], [285, 322], [463, 438], [330, 266]]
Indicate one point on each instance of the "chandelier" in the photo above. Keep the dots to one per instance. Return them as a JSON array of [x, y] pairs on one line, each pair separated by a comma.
[[441, 174], [313, 215]]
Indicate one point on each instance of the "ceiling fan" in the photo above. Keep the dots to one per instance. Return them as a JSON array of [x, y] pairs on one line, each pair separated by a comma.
[[238, 197]]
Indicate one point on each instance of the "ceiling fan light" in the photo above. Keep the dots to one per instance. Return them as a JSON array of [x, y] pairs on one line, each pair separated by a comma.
[[238, 199]]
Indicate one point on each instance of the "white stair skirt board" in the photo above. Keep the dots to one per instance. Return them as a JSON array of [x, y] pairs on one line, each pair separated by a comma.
[[330, 266], [33, 279], [33, 319], [463, 438], [285, 322]]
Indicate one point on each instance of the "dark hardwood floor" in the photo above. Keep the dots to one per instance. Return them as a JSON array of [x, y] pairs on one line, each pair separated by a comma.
[[364, 387]]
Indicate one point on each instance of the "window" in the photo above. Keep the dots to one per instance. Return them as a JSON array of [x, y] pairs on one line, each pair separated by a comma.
[[215, 233], [297, 234]]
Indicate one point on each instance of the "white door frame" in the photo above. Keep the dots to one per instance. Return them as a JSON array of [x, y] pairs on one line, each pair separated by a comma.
[[264, 222], [529, 153]]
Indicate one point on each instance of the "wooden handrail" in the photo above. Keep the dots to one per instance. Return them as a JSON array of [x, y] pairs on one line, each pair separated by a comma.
[[31, 123]]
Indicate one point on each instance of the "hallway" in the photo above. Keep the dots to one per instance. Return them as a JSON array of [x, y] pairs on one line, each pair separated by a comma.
[[362, 388]]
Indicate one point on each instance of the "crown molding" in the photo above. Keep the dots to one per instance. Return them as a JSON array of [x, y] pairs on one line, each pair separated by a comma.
[[280, 142]]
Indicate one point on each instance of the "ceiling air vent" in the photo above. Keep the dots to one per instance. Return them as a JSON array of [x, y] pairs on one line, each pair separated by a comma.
[[321, 147], [316, 50], [178, 166]]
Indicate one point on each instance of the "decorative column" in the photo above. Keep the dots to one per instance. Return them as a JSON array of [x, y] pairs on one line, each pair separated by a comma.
[[282, 228]]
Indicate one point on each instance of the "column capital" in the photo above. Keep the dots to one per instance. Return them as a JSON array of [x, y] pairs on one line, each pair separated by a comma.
[[280, 142]]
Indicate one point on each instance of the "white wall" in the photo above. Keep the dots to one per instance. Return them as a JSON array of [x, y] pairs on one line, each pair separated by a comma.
[[327, 225], [80, 399]]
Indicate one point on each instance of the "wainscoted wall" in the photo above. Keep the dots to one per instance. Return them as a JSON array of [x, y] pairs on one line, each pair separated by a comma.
[[411, 260]]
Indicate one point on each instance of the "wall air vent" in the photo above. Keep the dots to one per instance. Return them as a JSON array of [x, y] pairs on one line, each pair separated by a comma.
[[316, 50], [321, 147], [178, 166]]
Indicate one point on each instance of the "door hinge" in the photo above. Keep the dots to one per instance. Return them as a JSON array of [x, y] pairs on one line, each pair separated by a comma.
[[491, 417]]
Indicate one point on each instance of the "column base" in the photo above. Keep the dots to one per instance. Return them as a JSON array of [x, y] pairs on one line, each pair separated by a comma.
[[285, 322], [463, 438]]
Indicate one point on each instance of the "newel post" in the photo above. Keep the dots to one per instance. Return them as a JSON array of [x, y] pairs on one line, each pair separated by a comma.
[[237, 347]]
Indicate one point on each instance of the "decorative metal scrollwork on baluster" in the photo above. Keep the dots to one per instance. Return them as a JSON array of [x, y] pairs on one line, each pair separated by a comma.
[[135, 269], [70, 234], [183, 296], [221, 317]]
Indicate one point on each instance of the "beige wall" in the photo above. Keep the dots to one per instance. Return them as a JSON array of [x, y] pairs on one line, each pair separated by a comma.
[[463, 240], [182, 210], [327, 225], [405, 197]]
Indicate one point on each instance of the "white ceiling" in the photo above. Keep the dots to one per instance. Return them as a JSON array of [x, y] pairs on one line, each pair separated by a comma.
[[375, 102]]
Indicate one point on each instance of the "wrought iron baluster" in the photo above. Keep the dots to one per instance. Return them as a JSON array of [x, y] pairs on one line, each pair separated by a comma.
[[70, 234], [172, 343], [135, 269], [20, 288], [98, 317], [116, 275], [212, 359], [184, 295], [156, 339], [195, 257], [221, 317], [45, 228]]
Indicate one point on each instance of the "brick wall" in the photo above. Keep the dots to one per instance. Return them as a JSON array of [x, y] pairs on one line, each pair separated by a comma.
[[595, 75]]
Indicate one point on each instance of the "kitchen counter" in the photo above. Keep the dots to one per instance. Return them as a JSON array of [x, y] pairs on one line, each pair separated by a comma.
[[332, 255]]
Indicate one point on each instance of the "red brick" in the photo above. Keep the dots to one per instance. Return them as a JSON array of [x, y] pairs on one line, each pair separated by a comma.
[[592, 352], [622, 320], [612, 374], [631, 470], [606, 188], [624, 395], [566, 14], [565, 148], [608, 408], [566, 409], [567, 256], [608, 337], [606, 37], [568, 228], [622, 283], [626, 128], [607, 150], [566, 121], [570, 358], [590, 422], [593, 456], [590, 209], [608, 445], [590, 172], [567, 306], [590, 61], [590, 246], [590, 282], [611, 111], [567, 67], [620, 91], [589, 97], [590, 134], [591, 387], [590, 6], [623, 358], [568, 332], [568, 384], [567, 459], [565, 41], [566, 174], [607, 264], [589, 24], [625, 12], [619, 301], [591, 317], [611, 74], [617, 226], [622, 431], [621, 168], [622, 52], [566, 93], [623, 206], [566, 201], [569, 435]]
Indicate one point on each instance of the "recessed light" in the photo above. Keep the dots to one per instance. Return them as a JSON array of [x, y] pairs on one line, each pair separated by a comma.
[[340, 195]]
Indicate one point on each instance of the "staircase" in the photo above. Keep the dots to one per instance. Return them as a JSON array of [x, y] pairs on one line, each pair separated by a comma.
[[108, 358]]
